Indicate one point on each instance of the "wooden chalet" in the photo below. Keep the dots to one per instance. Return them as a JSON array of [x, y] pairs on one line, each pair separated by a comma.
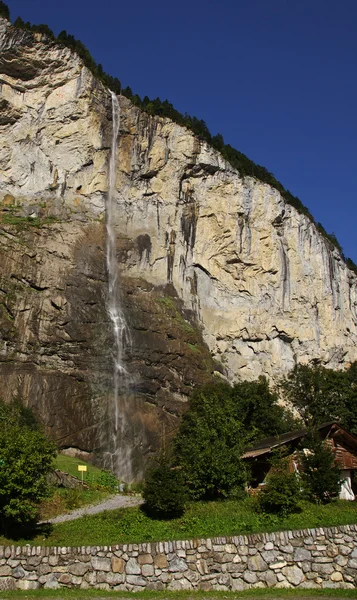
[[342, 443]]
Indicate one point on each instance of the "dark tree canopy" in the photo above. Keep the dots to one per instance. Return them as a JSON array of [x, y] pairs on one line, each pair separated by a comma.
[[259, 411], [209, 444], [314, 391], [322, 395]]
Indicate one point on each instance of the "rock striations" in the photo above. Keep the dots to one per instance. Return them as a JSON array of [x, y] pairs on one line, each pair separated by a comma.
[[217, 272]]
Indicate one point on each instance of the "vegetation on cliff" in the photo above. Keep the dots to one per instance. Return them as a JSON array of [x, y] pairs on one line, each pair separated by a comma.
[[156, 106]]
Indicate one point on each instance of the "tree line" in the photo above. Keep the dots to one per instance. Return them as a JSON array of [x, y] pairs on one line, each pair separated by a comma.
[[164, 108], [204, 460]]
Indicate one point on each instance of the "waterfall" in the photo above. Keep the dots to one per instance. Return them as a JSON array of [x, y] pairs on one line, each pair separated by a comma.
[[117, 448]]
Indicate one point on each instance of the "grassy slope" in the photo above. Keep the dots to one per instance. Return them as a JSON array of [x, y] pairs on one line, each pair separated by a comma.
[[202, 519], [64, 500], [68, 464]]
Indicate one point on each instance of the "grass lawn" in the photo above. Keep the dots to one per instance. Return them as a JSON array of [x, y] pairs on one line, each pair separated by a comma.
[[202, 519], [181, 595]]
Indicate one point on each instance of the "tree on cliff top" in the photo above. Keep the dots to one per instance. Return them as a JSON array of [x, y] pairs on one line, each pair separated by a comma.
[[4, 10], [26, 457]]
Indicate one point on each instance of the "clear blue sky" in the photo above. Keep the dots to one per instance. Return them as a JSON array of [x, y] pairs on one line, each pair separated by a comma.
[[278, 78]]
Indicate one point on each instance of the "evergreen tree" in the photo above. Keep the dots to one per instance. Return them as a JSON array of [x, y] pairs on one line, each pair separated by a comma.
[[218, 141], [4, 10], [19, 23], [320, 476], [43, 28], [164, 490]]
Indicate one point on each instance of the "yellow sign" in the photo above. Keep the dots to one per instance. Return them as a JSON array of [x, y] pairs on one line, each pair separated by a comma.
[[82, 467]]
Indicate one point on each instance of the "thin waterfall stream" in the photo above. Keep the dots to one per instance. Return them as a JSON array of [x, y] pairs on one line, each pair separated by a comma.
[[119, 451]]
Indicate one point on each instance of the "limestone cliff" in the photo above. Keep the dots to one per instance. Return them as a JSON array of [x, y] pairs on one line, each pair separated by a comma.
[[217, 273]]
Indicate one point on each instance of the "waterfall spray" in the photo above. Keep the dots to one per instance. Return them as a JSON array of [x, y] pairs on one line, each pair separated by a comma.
[[119, 451]]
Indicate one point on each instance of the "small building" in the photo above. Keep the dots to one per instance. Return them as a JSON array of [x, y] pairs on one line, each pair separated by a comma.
[[342, 443]]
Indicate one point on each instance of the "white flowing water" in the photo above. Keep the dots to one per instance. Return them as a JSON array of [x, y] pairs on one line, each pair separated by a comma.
[[120, 455]]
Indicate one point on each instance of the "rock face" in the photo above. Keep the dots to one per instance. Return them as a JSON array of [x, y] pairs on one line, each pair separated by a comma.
[[217, 273]]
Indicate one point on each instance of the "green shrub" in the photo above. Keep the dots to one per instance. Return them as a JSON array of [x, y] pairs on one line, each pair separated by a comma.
[[105, 479], [281, 493], [164, 490]]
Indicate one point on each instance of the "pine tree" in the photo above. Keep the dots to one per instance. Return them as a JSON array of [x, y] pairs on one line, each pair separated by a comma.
[[4, 10], [164, 491], [320, 476]]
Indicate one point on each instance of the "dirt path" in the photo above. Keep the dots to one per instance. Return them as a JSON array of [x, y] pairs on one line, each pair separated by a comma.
[[117, 501]]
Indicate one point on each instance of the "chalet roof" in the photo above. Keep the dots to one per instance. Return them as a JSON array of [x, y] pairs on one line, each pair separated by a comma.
[[266, 445]]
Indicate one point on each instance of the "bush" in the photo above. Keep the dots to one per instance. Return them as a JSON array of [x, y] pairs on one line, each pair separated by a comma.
[[164, 490], [26, 457], [105, 479], [321, 478], [281, 493]]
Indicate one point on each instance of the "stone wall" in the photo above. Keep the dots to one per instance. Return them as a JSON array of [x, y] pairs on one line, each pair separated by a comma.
[[309, 558]]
